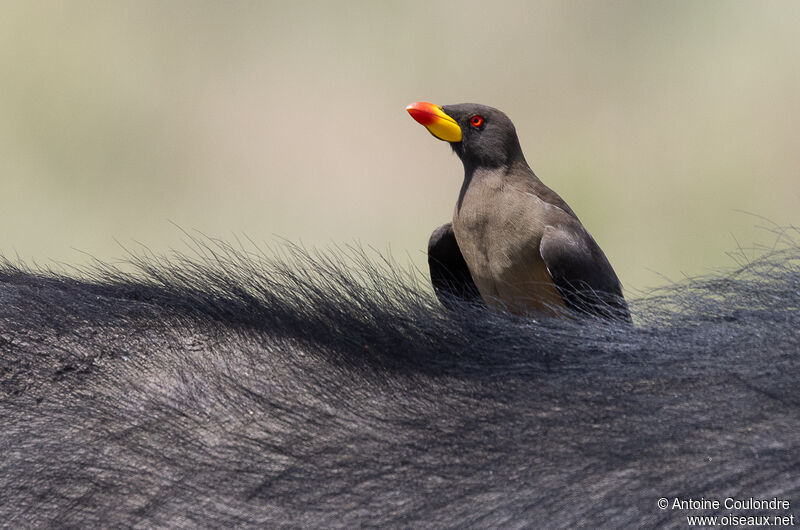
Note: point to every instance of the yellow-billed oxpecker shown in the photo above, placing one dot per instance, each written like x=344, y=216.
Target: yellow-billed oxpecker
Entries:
x=513, y=241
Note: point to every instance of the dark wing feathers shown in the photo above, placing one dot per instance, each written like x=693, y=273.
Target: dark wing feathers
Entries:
x=582, y=273
x=449, y=272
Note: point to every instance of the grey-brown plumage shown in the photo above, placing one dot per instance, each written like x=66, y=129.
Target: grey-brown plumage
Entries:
x=524, y=248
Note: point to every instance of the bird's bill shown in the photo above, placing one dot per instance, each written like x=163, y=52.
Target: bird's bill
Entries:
x=435, y=120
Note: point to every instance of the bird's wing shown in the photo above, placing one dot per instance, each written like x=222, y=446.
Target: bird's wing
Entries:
x=450, y=275
x=582, y=273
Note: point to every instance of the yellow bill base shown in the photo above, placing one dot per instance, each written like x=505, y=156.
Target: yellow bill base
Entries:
x=435, y=120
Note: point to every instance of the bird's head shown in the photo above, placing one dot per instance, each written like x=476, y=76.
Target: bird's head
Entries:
x=481, y=136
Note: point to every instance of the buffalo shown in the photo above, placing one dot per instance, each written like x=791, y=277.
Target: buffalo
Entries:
x=230, y=386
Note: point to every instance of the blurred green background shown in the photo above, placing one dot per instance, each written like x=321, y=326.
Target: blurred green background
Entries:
x=659, y=122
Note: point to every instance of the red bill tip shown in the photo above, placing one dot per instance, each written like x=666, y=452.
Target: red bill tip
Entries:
x=425, y=113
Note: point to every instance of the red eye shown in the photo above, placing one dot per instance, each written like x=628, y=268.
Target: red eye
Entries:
x=476, y=120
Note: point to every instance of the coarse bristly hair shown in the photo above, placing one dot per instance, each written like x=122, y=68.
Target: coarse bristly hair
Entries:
x=228, y=387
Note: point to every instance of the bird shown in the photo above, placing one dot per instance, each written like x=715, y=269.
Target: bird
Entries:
x=513, y=244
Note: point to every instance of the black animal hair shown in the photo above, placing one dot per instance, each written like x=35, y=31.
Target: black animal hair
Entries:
x=230, y=387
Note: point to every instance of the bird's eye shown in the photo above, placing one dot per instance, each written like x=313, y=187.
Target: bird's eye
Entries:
x=476, y=121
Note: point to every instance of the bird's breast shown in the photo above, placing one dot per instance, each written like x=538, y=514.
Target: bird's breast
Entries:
x=499, y=228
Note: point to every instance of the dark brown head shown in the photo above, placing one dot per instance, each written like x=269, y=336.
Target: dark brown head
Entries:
x=481, y=136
